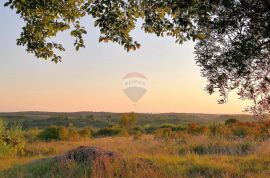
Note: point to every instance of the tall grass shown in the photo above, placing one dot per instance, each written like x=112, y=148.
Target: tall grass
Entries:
x=150, y=157
x=233, y=149
x=11, y=139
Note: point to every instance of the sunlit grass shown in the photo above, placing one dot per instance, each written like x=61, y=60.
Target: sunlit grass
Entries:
x=158, y=158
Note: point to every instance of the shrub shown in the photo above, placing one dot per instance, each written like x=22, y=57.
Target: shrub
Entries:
x=63, y=133
x=73, y=135
x=138, y=128
x=128, y=121
x=85, y=133
x=231, y=121
x=195, y=129
x=108, y=131
x=150, y=129
x=11, y=139
x=251, y=130
x=51, y=133
x=172, y=127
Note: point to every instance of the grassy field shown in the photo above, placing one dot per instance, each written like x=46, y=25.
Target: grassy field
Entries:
x=190, y=156
x=166, y=146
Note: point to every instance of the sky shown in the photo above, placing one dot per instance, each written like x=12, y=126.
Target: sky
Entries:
x=91, y=79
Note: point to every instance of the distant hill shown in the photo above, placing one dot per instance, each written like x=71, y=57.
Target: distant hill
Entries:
x=102, y=119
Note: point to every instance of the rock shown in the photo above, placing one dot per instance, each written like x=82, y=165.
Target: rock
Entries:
x=87, y=155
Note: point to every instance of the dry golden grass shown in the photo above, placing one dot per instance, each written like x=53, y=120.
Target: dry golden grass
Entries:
x=161, y=158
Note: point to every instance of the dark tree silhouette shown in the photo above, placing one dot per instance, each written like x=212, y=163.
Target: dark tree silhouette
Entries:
x=235, y=54
x=232, y=36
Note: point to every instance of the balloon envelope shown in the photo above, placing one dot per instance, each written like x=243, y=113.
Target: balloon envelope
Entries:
x=134, y=86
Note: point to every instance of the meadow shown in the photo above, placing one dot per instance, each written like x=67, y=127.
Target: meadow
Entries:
x=228, y=148
x=104, y=119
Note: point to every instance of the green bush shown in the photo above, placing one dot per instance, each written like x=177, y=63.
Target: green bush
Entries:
x=138, y=128
x=174, y=128
x=63, y=133
x=231, y=121
x=51, y=133
x=150, y=129
x=86, y=132
x=128, y=121
x=109, y=131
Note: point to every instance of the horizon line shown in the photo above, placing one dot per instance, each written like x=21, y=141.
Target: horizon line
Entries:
x=28, y=111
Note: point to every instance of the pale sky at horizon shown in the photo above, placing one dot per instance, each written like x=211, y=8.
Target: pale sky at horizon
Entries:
x=91, y=79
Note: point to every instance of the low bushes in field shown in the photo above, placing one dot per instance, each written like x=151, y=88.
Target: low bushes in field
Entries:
x=235, y=130
x=174, y=127
x=195, y=129
x=86, y=132
x=110, y=131
x=232, y=129
x=63, y=133
x=137, y=129
x=231, y=121
x=51, y=133
x=150, y=129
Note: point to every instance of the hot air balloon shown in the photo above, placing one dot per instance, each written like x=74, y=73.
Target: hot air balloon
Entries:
x=134, y=86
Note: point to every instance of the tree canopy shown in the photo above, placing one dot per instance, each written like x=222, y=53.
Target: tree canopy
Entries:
x=232, y=36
